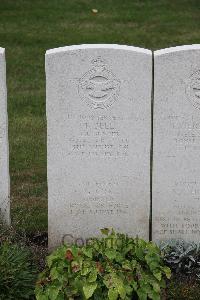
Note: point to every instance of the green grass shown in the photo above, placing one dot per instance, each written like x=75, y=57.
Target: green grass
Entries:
x=27, y=29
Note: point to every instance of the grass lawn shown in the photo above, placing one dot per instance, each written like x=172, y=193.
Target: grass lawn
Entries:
x=27, y=29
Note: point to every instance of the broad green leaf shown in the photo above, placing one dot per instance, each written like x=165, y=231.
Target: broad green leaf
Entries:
x=87, y=252
x=145, y=286
x=156, y=287
x=128, y=248
x=119, y=257
x=153, y=265
x=134, y=263
x=167, y=272
x=108, y=281
x=53, y=292
x=60, y=296
x=51, y=259
x=105, y=231
x=110, y=253
x=112, y=294
x=60, y=252
x=134, y=285
x=121, y=290
x=127, y=265
x=96, y=245
x=162, y=283
x=142, y=295
x=54, y=273
x=88, y=289
x=119, y=243
x=42, y=296
x=92, y=276
x=129, y=290
x=74, y=249
x=153, y=260
x=139, y=253
x=110, y=242
x=78, y=283
x=85, y=270
x=142, y=243
x=154, y=295
x=158, y=275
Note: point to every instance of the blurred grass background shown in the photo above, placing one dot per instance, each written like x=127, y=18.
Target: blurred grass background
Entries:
x=27, y=29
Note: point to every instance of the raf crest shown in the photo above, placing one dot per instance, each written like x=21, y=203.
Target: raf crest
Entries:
x=99, y=87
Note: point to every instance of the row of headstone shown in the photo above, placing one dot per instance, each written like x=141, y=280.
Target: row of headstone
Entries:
x=99, y=107
x=100, y=103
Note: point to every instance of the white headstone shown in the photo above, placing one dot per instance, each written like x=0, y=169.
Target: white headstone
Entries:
x=176, y=172
x=4, y=156
x=99, y=129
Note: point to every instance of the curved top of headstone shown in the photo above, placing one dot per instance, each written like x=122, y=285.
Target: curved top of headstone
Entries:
x=99, y=46
x=176, y=49
x=2, y=50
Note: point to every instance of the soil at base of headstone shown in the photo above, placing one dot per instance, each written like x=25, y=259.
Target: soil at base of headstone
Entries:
x=38, y=244
x=39, y=239
x=182, y=287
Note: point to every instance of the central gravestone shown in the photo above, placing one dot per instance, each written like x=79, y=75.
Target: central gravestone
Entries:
x=99, y=122
x=4, y=164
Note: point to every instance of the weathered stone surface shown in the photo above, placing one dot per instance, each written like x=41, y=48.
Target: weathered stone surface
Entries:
x=99, y=129
x=176, y=172
x=4, y=156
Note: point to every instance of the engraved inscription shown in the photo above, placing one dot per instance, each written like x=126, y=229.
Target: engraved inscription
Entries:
x=99, y=87
x=193, y=89
x=181, y=219
x=98, y=137
x=174, y=226
x=100, y=197
x=185, y=133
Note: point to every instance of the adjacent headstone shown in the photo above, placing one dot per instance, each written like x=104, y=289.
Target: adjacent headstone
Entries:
x=176, y=163
x=99, y=131
x=4, y=169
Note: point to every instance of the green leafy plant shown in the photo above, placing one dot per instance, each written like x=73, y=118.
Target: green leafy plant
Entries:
x=17, y=275
x=113, y=267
